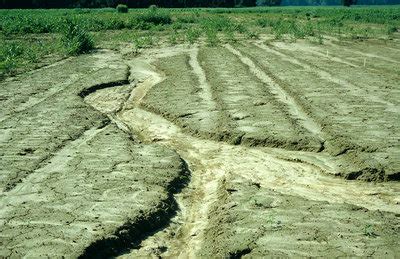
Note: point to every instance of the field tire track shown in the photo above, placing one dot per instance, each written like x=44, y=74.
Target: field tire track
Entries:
x=282, y=95
x=321, y=73
x=369, y=55
x=206, y=93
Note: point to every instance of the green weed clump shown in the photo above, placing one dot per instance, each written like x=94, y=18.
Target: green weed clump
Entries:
x=121, y=8
x=172, y=38
x=390, y=30
x=155, y=17
x=217, y=23
x=143, y=41
x=9, y=53
x=75, y=39
x=262, y=22
x=293, y=29
x=187, y=19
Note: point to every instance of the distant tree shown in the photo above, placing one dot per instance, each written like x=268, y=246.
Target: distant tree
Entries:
x=348, y=3
x=245, y=3
x=268, y=2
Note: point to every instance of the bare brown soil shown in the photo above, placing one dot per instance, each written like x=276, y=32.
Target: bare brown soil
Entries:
x=252, y=149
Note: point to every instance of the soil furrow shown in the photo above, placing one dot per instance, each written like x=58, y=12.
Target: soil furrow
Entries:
x=294, y=108
x=206, y=93
x=317, y=93
x=371, y=55
x=323, y=74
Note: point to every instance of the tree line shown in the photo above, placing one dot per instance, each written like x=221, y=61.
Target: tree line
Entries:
x=174, y=3
x=129, y=3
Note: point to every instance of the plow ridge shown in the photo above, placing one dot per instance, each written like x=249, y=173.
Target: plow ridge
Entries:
x=12, y=183
x=295, y=110
x=100, y=86
x=131, y=234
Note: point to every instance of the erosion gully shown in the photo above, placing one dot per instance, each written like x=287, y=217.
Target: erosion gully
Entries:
x=210, y=162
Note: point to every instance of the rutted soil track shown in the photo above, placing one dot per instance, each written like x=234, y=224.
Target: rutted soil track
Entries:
x=215, y=165
x=203, y=151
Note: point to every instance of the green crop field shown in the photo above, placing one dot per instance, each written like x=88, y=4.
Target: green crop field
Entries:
x=30, y=37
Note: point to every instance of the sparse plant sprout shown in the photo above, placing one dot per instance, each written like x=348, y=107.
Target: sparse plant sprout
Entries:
x=172, y=38
x=308, y=29
x=192, y=35
x=320, y=38
x=262, y=22
x=8, y=65
x=369, y=231
x=278, y=34
x=187, y=19
x=142, y=42
x=33, y=56
x=390, y=30
x=239, y=27
x=230, y=36
x=252, y=35
x=177, y=26
x=212, y=37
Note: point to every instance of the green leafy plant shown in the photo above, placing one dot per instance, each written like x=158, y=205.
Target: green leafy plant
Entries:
x=75, y=39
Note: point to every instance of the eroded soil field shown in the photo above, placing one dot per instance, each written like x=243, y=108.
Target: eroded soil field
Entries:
x=250, y=149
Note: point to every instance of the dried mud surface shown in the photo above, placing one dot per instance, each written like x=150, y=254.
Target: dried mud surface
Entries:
x=73, y=183
x=242, y=150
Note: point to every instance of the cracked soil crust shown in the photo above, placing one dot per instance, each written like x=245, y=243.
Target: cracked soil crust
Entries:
x=232, y=151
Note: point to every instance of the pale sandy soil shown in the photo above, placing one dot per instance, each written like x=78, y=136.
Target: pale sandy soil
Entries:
x=251, y=149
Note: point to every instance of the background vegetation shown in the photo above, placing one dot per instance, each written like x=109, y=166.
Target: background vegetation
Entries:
x=33, y=38
x=173, y=3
